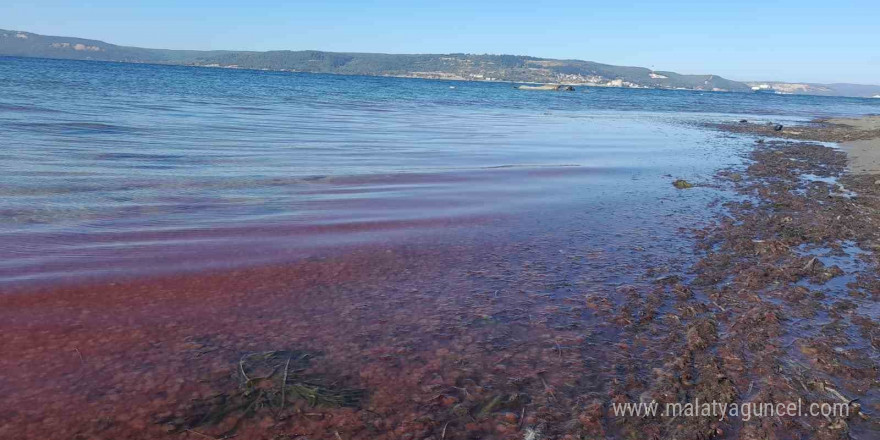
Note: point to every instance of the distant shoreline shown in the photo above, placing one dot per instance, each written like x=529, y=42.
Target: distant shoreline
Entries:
x=494, y=81
x=451, y=66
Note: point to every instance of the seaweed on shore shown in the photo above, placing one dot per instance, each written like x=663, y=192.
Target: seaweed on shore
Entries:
x=271, y=383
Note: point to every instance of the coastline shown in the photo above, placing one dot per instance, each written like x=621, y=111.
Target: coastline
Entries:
x=792, y=271
x=780, y=306
x=858, y=137
x=863, y=154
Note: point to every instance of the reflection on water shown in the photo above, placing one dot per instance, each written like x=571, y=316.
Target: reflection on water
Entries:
x=130, y=168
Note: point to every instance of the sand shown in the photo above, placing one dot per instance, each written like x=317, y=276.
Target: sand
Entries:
x=858, y=137
x=863, y=155
x=863, y=123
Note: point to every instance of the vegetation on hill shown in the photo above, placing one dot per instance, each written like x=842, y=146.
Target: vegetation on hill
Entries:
x=458, y=66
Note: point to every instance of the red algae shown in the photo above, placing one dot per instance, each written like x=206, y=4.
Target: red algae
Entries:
x=523, y=332
x=444, y=341
x=505, y=340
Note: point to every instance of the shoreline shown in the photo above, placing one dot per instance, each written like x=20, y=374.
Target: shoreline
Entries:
x=588, y=85
x=780, y=306
x=859, y=137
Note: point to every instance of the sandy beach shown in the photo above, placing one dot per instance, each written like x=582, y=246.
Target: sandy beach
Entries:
x=863, y=155
x=859, y=137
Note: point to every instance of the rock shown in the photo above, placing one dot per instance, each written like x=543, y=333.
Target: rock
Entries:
x=877, y=182
x=743, y=121
x=544, y=87
x=777, y=127
x=558, y=88
x=759, y=141
x=667, y=279
x=682, y=184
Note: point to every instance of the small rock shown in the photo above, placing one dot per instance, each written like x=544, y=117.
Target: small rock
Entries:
x=667, y=279
x=682, y=184
x=743, y=121
x=777, y=127
x=759, y=141
x=877, y=182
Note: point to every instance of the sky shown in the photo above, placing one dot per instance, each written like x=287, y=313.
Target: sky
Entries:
x=796, y=41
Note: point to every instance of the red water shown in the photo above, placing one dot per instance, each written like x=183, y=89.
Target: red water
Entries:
x=408, y=284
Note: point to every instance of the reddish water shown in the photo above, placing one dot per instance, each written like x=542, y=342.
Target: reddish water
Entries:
x=498, y=274
x=421, y=249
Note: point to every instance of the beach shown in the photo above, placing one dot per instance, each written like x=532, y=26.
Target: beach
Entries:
x=421, y=263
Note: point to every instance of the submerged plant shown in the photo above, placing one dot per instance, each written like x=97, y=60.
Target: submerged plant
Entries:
x=682, y=184
x=269, y=382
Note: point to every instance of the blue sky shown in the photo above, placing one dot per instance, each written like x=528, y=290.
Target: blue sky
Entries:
x=806, y=40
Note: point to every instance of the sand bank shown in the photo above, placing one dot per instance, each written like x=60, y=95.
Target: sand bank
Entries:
x=863, y=155
x=859, y=137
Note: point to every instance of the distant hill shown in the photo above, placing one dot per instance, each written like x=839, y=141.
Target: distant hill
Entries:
x=457, y=66
x=837, y=89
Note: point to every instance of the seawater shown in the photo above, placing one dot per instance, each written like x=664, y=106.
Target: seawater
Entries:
x=111, y=169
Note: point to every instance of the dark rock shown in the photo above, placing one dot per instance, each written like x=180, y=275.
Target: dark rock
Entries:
x=743, y=121
x=777, y=127
x=667, y=279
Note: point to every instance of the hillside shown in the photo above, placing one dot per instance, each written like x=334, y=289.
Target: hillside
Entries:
x=447, y=66
x=457, y=66
x=836, y=89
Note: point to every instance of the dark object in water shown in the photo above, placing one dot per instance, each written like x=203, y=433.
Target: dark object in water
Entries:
x=759, y=141
x=268, y=381
x=557, y=88
x=743, y=121
x=682, y=184
x=777, y=127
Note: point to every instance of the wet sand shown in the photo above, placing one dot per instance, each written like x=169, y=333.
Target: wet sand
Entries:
x=859, y=137
x=758, y=286
x=863, y=155
x=866, y=123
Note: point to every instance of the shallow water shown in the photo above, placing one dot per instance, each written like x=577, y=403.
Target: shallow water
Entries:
x=128, y=169
x=436, y=246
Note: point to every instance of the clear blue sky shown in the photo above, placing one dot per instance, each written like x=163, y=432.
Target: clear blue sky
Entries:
x=805, y=40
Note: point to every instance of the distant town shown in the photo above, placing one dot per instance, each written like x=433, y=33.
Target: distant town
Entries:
x=457, y=66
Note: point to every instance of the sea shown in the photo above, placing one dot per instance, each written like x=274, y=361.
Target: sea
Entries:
x=114, y=170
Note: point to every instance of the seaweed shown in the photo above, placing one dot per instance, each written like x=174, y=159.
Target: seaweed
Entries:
x=268, y=383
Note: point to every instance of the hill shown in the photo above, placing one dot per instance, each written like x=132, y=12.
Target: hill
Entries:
x=836, y=89
x=456, y=66
x=441, y=66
